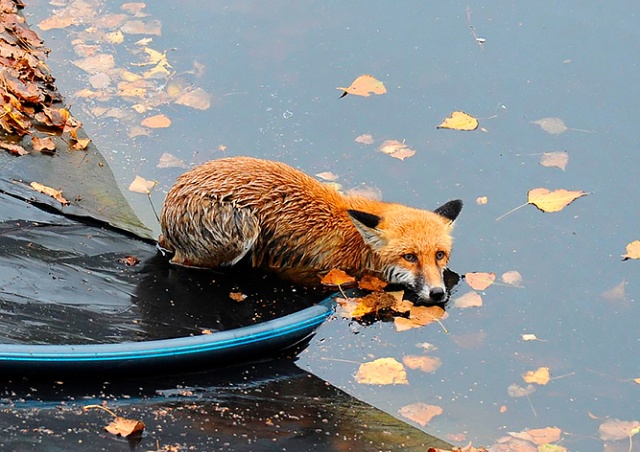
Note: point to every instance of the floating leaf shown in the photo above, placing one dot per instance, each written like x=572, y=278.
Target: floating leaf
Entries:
x=529, y=337
x=125, y=427
x=142, y=185
x=554, y=126
x=553, y=201
x=55, y=194
x=468, y=300
x=327, y=175
x=383, y=371
x=368, y=282
x=517, y=391
x=420, y=413
x=555, y=159
x=373, y=303
x=365, y=85
x=617, y=292
x=540, y=376
x=396, y=149
x=237, y=296
x=196, y=98
x=156, y=122
x=633, y=250
x=170, y=161
x=365, y=138
x=55, y=22
x=482, y=200
x=479, y=280
x=512, y=277
x=337, y=277
x=615, y=429
x=419, y=316
x=423, y=363
x=459, y=120
x=138, y=27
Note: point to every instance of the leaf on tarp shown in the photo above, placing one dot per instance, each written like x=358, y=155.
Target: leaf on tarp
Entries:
x=156, y=122
x=479, y=280
x=383, y=371
x=370, y=282
x=14, y=149
x=420, y=413
x=396, y=149
x=553, y=201
x=554, y=126
x=633, y=251
x=365, y=85
x=142, y=185
x=55, y=194
x=555, y=160
x=470, y=299
x=459, y=120
x=539, y=376
x=46, y=145
x=512, y=278
x=422, y=363
x=125, y=427
x=337, y=278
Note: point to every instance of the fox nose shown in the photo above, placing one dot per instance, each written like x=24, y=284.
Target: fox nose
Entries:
x=436, y=294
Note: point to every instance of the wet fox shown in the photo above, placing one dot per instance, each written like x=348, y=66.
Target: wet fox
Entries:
x=282, y=220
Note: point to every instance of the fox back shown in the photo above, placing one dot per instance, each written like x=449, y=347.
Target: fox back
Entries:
x=285, y=221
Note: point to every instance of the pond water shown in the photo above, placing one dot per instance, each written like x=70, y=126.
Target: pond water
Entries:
x=270, y=72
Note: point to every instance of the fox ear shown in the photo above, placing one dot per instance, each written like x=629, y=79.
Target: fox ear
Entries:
x=366, y=224
x=450, y=210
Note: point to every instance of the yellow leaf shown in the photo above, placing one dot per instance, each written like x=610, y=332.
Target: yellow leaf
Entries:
x=540, y=376
x=637, y=380
x=552, y=201
x=479, y=280
x=365, y=85
x=383, y=371
x=142, y=185
x=368, y=282
x=156, y=122
x=337, y=277
x=633, y=250
x=55, y=194
x=420, y=413
x=459, y=120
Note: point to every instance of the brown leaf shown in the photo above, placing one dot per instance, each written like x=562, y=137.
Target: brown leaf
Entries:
x=369, y=282
x=616, y=293
x=170, y=161
x=552, y=201
x=459, y=120
x=420, y=413
x=55, y=194
x=540, y=376
x=125, y=427
x=633, y=250
x=237, y=296
x=156, y=122
x=196, y=98
x=419, y=316
x=373, y=304
x=130, y=261
x=139, y=27
x=615, y=429
x=545, y=435
x=337, y=277
x=383, y=371
x=479, y=280
x=43, y=144
x=423, y=363
x=15, y=149
x=468, y=300
x=396, y=149
x=365, y=85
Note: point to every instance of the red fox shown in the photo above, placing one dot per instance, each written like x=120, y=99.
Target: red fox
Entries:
x=285, y=221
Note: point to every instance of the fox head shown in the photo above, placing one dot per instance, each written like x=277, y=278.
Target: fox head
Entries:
x=411, y=246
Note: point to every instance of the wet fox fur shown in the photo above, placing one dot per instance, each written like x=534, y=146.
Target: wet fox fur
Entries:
x=283, y=220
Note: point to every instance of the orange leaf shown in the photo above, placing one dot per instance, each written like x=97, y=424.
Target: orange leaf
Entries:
x=55, y=194
x=545, y=435
x=468, y=300
x=420, y=413
x=156, y=122
x=512, y=277
x=459, y=120
x=125, y=427
x=373, y=303
x=479, y=280
x=383, y=371
x=372, y=283
x=552, y=201
x=633, y=250
x=142, y=185
x=337, y=277
x=540, y=376
x=365, y=85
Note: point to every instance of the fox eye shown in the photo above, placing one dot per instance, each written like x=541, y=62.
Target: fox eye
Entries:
x=410, y=257
x=440, y=255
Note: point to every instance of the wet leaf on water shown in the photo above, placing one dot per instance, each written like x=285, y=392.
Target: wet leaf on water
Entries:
x=539, y=376
x=55, y=22
x=237, y=296
x=420, y=413
x=419, y=316
x=195, y=98
x=616, y=293
x=365, y=85
x=396, y=149
x=554, y=126
x=459, y=120
x=170, y=161
x=142, y=185
x=423, y=363
x=46, y=145
x=55, y=194
x=468, y=300
x=95, y=64
x=139, y=27
x=115, y=37
x=156, y=122
x=482, y=200
x=516, y=391
x=529, y=337
x=383, y=371
x=555, y=159
x=633, y=251
x=512, y=278
x=327, y=175
x=373, y=304
x=369, y=282
x=615, y=429
x=125, y=427
x=134, y=7
x=365, y=138
x=553, y=201
x=479, y=280
x=338, y=278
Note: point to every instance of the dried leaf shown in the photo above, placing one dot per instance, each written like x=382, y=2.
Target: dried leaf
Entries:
x=95, y=64
x=129, y=261
x=459, y=120
x=369, y=282
x=423, y=363
x=139, y=27
x=237, y=296
x=529, y=337
x=337, y=277
x=365, y=138
x=15, y=149
x=482, y=200
x=327, y=175
x=552, y=201
x=170, y=161
x=555, y=159
x=125, y=427
x=633, y=251
x=365, y=85
x=512, y=277
x=468, y=300
x=479, y=280
x=156, y=122
x=420, y=413
x=43, y=144
x=419, y=316
x=55, y=22
x=554, y=126
x=396, y=149
x=196, y=98
x=55, y=194
x=615, y=429
x=540, y=376
x=544, y=435
x=142, y=185
x=383, y=371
